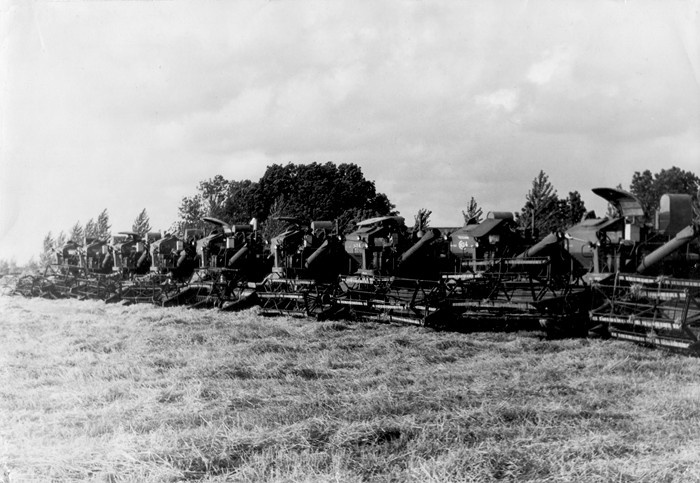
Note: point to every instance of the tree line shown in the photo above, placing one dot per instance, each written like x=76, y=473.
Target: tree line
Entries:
x=342, y=193
x=306, y=191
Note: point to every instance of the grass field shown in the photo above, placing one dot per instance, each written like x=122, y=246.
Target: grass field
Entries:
x=95, y=392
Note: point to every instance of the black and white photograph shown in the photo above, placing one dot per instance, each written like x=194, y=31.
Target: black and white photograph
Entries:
x=349, y=241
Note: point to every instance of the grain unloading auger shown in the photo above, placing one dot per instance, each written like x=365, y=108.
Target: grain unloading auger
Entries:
x=230, y=260
x=308, y=257
x=646, y=277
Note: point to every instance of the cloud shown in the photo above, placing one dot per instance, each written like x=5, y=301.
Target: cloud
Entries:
x=506, y=99
x=131, y=104
x=556, y=63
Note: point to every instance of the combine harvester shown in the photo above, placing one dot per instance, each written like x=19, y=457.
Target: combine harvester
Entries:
x=481, y=276
x=174, y=260
x=498, y=276
x=132, y=264
x=58, y=278
x=308, y=257
x=94, y=279
x=170, y=263
x=398, y=273
x=229, y=259
x=81, y=271
x=646, y=277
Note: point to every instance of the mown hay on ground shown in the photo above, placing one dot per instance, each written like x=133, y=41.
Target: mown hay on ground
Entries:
x=95, y=392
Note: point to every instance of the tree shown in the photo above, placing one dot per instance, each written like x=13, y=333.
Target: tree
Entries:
x=60, y=241
x=574, y=208
x=191, y=212
x=540, y=213
x=214, y=193
x=103, y=226
x=421, y=220
x=473, y=214
x=320, y=192
x=230, y=201
x=240, y=204
x=642, y=187
x=46, y=257
x=142, y=224
x=309, y=192
x=76, y=233
x=32, y=265
x=272, y=226
x=90, y=229
x=649, y=188
x=544, y=212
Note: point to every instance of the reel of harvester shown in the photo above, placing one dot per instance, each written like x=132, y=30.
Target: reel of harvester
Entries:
x=646, y=277
x=308, y=257
x=500, y=278
x=398, y=279
x=230, y=259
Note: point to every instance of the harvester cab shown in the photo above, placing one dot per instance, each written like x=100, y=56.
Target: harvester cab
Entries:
x=131, y=254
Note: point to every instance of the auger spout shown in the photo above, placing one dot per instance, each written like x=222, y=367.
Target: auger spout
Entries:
x=685, y=236
x=238, y=256
x=316, y=254
x=427, y=238
x=540, y=246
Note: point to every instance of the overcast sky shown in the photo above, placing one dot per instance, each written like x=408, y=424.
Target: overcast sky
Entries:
x=126, y=105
